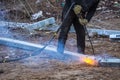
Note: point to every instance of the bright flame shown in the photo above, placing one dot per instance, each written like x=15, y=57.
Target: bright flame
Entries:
x=90, y=61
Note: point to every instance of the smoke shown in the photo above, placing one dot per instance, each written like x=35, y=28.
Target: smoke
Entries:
x=49, y=58
x=4, y=31
x=7, y=32
x=104, y=56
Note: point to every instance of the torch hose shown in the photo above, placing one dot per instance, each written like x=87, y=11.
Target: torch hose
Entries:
x=89, y=40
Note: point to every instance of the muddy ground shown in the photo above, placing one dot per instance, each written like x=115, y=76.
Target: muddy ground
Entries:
x=45, y=66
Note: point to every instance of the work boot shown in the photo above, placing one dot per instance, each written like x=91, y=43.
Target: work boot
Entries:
x=60, y=47
x=60, y=51
x=80, y=51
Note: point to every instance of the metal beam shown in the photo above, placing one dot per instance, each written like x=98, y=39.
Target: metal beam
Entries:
x=104, y=32
x=109, y=62
x=115, y=37
x=100, y=31
x=32, y=26
x=112, y=62
x=19, y=44
x=30, y=46
x=36, y=50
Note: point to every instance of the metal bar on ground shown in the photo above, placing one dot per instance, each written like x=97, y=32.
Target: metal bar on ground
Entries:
x=104, y=32
x=19, y=44
x=113, y=62
x=30, y=46
x=115, y=37
x=109, y=62
x=35, y=25
x=43, y=23
x=100, y=31
x=51, y=50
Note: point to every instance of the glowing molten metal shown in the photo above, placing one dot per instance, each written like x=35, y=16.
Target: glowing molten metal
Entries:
x=90, y=61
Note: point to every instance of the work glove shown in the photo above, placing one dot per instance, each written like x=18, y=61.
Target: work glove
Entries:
x=77, y=9
x=83, y=21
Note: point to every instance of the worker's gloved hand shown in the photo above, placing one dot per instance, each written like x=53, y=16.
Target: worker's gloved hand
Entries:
x=77, y=9
x=83, y=21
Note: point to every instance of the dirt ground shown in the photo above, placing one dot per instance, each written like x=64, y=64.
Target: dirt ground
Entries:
x=46, y=67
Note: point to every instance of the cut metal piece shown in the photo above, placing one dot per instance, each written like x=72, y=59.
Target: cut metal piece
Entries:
x=115, y=37
x=109, y=62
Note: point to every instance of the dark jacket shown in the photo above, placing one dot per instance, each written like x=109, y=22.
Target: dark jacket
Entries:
x=89, y=6
x=88, y=10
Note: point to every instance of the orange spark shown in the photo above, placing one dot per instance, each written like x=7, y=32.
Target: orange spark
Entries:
x=90, y=61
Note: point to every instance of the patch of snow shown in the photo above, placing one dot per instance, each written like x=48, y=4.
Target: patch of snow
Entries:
x=38, y=1
x=37, y=15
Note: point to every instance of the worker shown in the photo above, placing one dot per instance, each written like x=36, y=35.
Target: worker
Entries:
x=79, y=16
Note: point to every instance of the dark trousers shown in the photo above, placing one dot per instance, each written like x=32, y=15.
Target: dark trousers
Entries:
x=80, y=32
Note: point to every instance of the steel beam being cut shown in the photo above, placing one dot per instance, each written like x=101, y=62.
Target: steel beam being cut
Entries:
x=32, y=47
